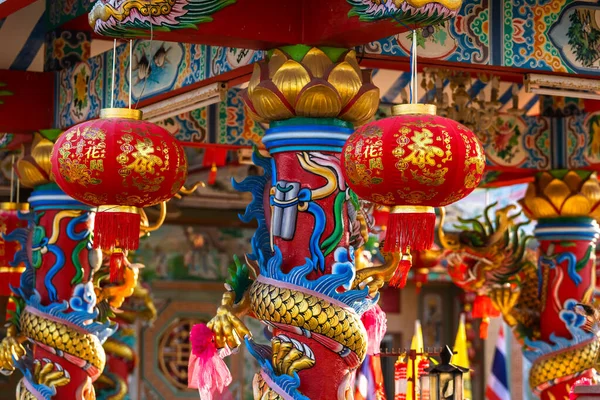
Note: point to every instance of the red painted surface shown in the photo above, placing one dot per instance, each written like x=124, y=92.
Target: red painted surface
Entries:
x=296, y=251
x=9, y=7
x=80, y=384
x=29, y=108
x=560, y=286
x=323, y=380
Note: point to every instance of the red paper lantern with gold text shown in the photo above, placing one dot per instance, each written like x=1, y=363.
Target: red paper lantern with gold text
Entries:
x=119, y=164
x=10, y=274
x=412, y=161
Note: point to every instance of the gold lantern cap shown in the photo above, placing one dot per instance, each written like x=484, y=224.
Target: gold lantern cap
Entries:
x=128, y=113
x=12, y=206
x=414, y=109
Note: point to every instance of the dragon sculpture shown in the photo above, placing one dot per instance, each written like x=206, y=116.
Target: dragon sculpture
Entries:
x=489, y=257
x=63, y=303
x=127, y=18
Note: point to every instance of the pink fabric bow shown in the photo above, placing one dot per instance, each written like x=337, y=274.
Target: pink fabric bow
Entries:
x=375, y=322
x=207, y=371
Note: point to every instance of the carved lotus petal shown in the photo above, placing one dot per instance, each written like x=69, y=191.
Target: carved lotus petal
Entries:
x=595, y=214
x=363, y=107
x=269, y=106
x=277, y=59
x=317, y=62
x=41, y=151
x=540, y=208
x=523, y=203
x=345, y=80
x=29, y=174
x=350, y=58
x=290, y=79
x=576, y=205
x=531, y=190
x=254, y=79
x=591, y=190
x=318, y=100
x=557, y=192
x=543, y=180
x=573, y=181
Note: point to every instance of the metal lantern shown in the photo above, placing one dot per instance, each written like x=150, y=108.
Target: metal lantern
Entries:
x=119, y=164
x=446, y=379
x=412, y=161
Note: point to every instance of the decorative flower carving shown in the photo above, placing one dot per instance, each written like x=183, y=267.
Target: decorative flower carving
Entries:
x=308, y=82
x=556, y=194
x=34, y=167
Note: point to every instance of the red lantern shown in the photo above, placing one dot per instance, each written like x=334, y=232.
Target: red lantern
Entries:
x=413, y=161
x=119, y=164
x=484, y=308
x=10, y=275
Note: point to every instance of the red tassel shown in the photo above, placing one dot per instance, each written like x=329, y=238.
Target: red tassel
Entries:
x=483, y=328
x=421, y=276
x=212, y=176
x=412, y=227
x=117, y=227
x=401, y=273
x=484, y=308
x=117, y=266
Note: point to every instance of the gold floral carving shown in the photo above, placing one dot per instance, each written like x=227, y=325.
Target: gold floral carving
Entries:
x=34, y=167
x=316, y=86
x=574, y=194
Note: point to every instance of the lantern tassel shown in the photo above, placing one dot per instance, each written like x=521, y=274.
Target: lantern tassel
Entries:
x=400, y=276
x=117, y=266
x=412, y=227
x=212, y=175
x=117, y=227
x=484, y=308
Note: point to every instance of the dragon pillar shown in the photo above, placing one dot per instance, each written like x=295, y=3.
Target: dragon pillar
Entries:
x=544, y=298
x=565, y=206
x=62, y=318
x=301, y=279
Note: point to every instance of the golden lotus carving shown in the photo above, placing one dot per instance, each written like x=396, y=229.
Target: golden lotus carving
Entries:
x=574, y=194
x=34, y=167
x=315, y=87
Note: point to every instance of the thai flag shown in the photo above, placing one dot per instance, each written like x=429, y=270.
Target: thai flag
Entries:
x=497, y=386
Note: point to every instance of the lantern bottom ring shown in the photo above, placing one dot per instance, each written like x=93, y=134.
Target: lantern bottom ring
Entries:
x=413, y=210
x=118, y=209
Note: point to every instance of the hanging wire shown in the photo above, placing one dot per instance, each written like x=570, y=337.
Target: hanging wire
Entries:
x=130, y=68
x=18, y=179
x=18, y=189
x=112, y=90
x=12, y=178
x=413, y=75
x=149, y=58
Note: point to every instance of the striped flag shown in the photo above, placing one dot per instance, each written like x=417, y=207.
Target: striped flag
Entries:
x=497, y=387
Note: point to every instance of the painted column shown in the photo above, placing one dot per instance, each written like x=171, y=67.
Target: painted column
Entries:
x=308, y=289
x=61, y=322
x=565, y=205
